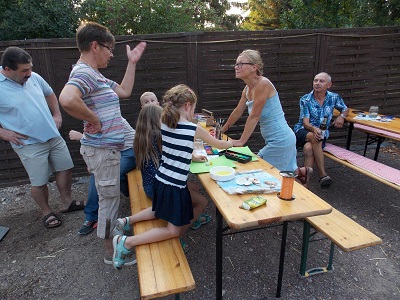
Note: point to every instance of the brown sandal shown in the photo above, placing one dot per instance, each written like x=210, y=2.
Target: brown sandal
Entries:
x=304, y=174
x=50, y=218
x=73, y=207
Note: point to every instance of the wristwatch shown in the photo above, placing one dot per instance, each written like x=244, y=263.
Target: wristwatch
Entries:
x=342, y=115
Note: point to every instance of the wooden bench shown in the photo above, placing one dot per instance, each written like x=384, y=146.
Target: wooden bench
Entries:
x=376, y=170
x=162, y=267
x=341, y=230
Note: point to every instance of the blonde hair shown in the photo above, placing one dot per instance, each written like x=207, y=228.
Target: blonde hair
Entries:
x=146, y=95
x=254, y=57
x=148, y=136
x=173, y=99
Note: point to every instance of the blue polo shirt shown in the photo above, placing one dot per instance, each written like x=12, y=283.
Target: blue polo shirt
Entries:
x=24, y=109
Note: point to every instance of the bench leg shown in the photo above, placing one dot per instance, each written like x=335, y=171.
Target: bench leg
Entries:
x=304, y=248
x=330, y=267
x=307, y=235
x=177, y=297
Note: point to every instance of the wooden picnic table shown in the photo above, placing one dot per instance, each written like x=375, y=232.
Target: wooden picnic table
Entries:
x=276, y=212
x=388, y=129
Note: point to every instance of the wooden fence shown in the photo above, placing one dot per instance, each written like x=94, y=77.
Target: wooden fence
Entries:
x=364, y=64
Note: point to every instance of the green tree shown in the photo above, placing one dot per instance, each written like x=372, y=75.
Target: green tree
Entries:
x=24, y=19
x=263, y=15
x=289, y=14
x=337, y=14
x=28, y=19
x=159, y=16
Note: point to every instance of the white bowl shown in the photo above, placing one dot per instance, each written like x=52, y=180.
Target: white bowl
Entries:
x=222, y=173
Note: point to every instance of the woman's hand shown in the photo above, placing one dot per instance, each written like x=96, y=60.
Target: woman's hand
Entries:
x=237, y=143
x=135, y=54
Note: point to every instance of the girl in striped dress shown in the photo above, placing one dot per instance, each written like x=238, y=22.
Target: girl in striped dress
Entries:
x=171, y=199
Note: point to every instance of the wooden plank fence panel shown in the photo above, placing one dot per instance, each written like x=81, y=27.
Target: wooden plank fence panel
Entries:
x=363, y=62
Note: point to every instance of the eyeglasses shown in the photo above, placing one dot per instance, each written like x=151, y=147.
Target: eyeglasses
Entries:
x=240, y=65
x=105, y=46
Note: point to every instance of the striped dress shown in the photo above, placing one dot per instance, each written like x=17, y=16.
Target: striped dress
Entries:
x=172, y=201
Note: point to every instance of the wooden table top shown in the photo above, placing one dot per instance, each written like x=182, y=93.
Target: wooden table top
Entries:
x=392, y=126
x=305, y=204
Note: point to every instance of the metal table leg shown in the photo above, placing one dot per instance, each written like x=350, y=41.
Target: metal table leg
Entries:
x=282, y=258
x=219, y=256
x=349, y=133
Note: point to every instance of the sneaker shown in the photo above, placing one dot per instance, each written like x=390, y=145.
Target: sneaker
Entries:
x=87, y=227
x=130, y=260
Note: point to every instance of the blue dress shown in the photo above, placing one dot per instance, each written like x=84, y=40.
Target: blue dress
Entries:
x=280, y=140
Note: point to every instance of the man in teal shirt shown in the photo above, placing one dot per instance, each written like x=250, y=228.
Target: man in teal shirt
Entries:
x=29, y=120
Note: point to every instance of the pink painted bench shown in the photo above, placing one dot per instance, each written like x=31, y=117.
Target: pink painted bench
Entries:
x=376, y=170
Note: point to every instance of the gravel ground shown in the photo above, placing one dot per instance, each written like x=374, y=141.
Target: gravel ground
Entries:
x=39, y=263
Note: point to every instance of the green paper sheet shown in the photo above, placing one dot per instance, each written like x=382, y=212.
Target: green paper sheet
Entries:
x=200, y=167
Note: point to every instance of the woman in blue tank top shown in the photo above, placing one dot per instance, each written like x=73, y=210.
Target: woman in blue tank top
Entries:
x=262, y=101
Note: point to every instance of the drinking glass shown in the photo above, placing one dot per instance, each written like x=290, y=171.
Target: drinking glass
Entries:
x=373, y=112
x=203, y=122
x=199, y=147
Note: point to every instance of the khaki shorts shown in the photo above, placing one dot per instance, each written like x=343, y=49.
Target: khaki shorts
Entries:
x=104, y=164
x=40, y=160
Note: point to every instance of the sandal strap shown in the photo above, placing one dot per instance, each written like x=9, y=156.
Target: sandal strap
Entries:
x=127, y=226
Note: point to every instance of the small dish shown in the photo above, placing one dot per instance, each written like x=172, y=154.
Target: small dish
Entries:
x=244, y=181
x=222, y=173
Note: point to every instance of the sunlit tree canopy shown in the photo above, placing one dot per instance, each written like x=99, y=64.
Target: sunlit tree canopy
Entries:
x=24, y=19
x=296, y=14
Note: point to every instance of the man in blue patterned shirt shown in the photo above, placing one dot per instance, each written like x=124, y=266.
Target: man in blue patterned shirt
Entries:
x=314, y=108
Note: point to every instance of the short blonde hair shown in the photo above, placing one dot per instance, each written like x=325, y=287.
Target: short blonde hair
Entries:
x=147, y=95
x=254, y=57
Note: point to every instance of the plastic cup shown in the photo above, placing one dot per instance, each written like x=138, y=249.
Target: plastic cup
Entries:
x=373, y=112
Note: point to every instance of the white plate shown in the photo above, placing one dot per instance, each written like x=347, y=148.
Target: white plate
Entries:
x=244, y=181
